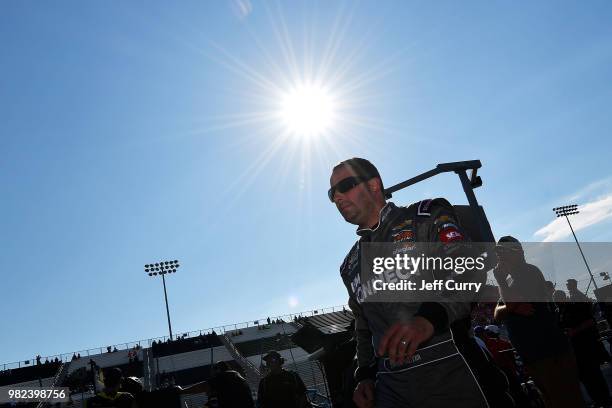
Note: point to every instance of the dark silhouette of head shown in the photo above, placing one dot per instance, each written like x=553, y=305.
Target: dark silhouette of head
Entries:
x=559, y=296
x=274, y=361
x=572, y=285
x=550, y=288
x=221, y=367
x=112, y=379
x=509, y=251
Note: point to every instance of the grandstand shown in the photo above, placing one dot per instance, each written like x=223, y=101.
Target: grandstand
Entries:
x=160, y=363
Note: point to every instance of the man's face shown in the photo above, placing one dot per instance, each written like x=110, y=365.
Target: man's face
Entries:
x=508, y=254
x=354, y=205
x=273, y=363
x=571, y=285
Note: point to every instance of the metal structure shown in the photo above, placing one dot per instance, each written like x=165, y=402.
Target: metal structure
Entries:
x=468, y=184
x=566, y=211
x=162, y=269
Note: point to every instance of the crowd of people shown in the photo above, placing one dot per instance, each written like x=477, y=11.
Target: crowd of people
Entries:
x=226, y=388
x=183, y=344
x=424, y=353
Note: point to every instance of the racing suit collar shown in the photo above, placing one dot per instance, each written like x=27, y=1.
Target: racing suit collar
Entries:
x=382, y=217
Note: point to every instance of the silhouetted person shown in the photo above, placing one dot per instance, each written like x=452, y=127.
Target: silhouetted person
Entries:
x=533, y=326
x=577, y=319
x=280, y=388
x=550, y=290
x=110, y=396
x=226, y=386
x=574, y=294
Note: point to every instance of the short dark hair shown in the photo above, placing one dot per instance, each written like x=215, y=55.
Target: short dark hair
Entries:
x=508, y=238
x=362, y=168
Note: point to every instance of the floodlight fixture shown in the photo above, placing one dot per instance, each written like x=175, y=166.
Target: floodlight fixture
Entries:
x=162, y=268
x=566, y=211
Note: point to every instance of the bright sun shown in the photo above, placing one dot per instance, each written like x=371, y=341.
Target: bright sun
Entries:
x=307, y=110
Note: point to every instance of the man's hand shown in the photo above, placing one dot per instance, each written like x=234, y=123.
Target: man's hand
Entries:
x=363, y=396
x=402, y=339
x=500, y=273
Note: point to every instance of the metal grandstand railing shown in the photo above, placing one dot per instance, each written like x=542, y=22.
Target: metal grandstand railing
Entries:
x=149, y=370
x=57, y=381
x=67, y=357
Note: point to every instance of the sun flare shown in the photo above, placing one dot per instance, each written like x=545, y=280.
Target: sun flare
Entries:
x=308, y=110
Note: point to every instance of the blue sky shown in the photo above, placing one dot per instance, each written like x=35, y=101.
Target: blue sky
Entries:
x=133, y=132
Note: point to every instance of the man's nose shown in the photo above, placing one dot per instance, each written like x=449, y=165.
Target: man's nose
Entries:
x=338, y=198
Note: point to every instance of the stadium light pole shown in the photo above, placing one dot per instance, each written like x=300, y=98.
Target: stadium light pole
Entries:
x=566, y=211
x=162, y=269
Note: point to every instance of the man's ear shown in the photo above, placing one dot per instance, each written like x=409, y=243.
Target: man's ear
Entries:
x=373, y=185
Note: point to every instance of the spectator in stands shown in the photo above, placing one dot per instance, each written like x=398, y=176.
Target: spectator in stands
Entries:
x=574, y=294
x=226, y=386
x=281, y=388
x=533, y=328
x=550, y=289
x=110, y=396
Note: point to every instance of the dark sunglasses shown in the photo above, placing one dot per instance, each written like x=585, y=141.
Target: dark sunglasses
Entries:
x=345, y=185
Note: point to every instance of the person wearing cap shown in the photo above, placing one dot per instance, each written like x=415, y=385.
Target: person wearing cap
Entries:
x=110, y=396
x=280, y=388
x=532, y=324
x=406, y=352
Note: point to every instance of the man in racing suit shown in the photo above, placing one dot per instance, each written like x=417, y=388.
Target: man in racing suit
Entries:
x=405, y=350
